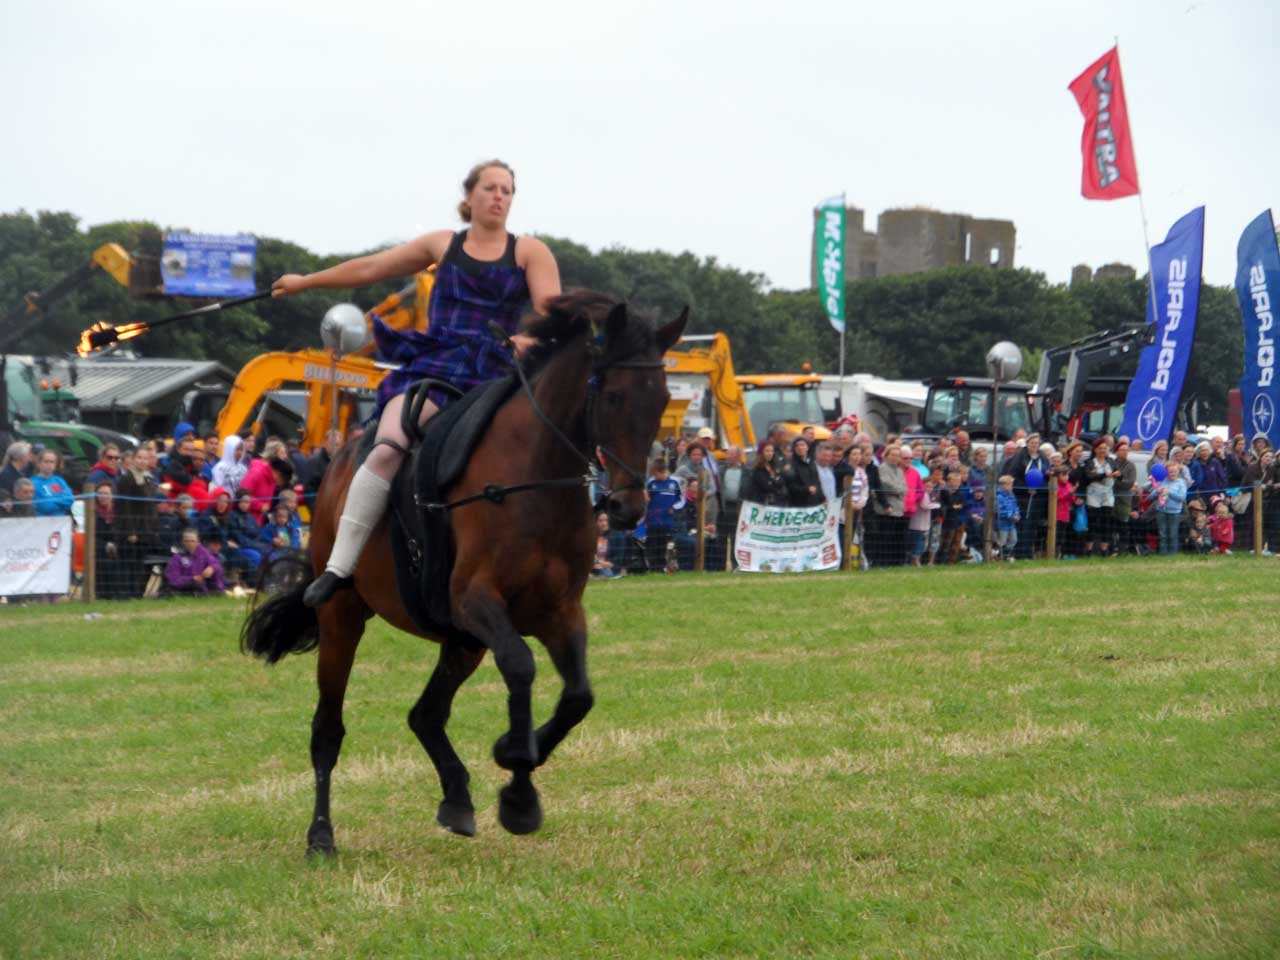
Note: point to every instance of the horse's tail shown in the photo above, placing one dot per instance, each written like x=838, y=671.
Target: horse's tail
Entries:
x=282, y=624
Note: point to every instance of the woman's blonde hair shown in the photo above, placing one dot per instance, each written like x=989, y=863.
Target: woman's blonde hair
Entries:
x=473, y=177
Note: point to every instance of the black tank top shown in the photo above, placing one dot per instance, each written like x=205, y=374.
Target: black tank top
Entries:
x=469, y=264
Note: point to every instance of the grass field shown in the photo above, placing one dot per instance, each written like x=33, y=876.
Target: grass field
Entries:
x=1041, y=761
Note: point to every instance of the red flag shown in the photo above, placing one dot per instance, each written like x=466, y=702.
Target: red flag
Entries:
x=1109, y=170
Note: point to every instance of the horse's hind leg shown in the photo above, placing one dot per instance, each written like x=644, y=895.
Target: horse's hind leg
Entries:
x=427, y=720
x=341, y=625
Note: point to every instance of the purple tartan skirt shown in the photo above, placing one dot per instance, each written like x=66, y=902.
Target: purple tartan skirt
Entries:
x=465, y=358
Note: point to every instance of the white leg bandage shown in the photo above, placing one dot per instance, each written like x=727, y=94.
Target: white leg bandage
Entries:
x=366, y=502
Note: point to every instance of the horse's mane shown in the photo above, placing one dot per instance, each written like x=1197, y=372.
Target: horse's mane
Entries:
x=578, y=313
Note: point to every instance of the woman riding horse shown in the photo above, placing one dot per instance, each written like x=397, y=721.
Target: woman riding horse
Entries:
x=484, y=274
x=523, y=559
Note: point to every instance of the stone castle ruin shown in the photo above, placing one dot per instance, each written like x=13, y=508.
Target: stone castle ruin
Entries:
x=916, y=239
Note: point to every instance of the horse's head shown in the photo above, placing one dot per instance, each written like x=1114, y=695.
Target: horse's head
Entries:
x=630, y=386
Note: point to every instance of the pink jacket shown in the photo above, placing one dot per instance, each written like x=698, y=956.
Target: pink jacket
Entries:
x=260, y=482
x=915, y=491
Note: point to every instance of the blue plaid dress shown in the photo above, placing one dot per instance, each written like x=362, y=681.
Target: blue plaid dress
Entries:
x=457, y=346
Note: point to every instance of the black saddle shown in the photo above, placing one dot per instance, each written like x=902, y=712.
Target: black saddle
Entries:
x=420, y=535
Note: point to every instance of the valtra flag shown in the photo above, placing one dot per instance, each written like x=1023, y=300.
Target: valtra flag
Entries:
x=1258, y=286
x=1156, y=390
x=1107, y=149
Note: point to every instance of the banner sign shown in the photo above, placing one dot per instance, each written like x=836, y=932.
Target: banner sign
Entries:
x=207, y=265
x=788, y=539
x=1106, y=148
x=1258, y=287
x=1152, y=402
x=828, y=251
x=36, y=556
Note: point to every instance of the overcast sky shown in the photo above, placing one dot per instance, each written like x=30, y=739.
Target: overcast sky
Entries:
x=709, y=127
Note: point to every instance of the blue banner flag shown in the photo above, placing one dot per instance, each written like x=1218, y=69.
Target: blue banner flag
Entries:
x=1258, y=287
x=1152, y=403
x=207, y=265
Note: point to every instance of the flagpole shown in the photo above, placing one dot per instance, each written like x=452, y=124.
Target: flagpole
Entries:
x=1142, y=206
x=844, y=321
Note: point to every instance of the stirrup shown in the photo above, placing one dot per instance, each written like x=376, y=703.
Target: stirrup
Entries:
x=324, y=587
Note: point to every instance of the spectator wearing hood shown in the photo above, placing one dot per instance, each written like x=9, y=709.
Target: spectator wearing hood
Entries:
x=260, y=479
x=230, y=470
x=107, y=469
x=218, y=524
x=243, y=528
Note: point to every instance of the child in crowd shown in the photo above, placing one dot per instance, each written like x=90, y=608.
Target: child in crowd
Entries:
x=920, y=522
x=280, y=533
x=955, y=505
x=1007, y=517
x=666, y=500
x=169, y=526
x=1223, y=525
x=193, y=569
x=1066, y=501
x=603, y=566
x=937, y=476
x=1199, y=530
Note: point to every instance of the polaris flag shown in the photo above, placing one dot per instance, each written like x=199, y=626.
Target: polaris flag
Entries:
x=1258, y=287
x=1152, y=403
x=828, y=253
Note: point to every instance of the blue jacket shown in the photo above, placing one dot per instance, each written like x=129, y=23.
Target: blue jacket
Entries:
x=1006, y=510
x=665, y=498
x=1175, y=492
x=270, y=531
x=53, y=496
x=244, y=530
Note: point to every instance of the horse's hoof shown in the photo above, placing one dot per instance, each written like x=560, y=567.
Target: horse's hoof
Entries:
x=503, y=758
x=456, y=818
x=320, y=840
x=519, y=810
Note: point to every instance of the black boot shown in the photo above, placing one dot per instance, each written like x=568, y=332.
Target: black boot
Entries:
x=324, y=587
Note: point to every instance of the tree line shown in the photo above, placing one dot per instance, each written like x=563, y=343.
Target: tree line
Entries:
x=910, y=326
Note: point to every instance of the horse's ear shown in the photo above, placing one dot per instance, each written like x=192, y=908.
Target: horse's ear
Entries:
x=615, y=324
x=668, y=335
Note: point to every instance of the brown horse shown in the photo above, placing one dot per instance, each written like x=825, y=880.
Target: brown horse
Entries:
x=597, y=381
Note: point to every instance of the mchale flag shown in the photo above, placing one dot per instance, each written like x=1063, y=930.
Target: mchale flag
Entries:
x=828, y=249
x=1152, y=402
x=1109, y=168
x=1258, y=287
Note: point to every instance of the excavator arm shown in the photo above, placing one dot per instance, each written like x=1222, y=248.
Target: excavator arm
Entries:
x=110, y=258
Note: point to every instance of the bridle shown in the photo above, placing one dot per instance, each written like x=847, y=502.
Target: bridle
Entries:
x=600, y=365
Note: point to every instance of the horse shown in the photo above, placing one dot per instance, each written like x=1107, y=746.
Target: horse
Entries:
x=596, y=382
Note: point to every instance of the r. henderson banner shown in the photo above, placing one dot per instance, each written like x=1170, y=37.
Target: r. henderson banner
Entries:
x=788, y=539
x=36, y=555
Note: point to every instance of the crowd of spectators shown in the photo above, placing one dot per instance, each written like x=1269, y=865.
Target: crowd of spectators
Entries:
x=177, y=514
x=199, y=516
x=924, y=503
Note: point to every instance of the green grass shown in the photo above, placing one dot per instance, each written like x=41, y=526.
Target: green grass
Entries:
x=1040, y=761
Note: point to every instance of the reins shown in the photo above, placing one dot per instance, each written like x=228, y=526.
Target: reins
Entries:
x=496, y=493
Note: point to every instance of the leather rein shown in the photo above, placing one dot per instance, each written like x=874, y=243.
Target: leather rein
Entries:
x=496, y=493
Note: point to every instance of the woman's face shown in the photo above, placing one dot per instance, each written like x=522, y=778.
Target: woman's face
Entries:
x=1033, y=445
x=490, y=200
x=48, y=463
x=1267, y=459
x=602, y=522
x=767, y=453
x=801, y=448
x=893, y=456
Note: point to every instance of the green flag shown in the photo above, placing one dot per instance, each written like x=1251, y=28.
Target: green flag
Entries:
x=828, y=245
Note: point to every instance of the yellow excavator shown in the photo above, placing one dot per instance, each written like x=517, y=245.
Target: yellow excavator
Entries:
x=333, y=384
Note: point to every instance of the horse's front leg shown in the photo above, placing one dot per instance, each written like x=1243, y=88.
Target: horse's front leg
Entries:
x=483, y=613
x=566, y=642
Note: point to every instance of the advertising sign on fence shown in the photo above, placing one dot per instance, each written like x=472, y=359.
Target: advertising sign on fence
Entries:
x=36, y=556
x=788, y=539
x=208, y=265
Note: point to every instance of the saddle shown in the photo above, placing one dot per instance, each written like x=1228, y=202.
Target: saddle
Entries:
x=420, y=535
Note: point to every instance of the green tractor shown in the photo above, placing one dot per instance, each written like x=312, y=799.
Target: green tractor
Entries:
x=46, y=413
